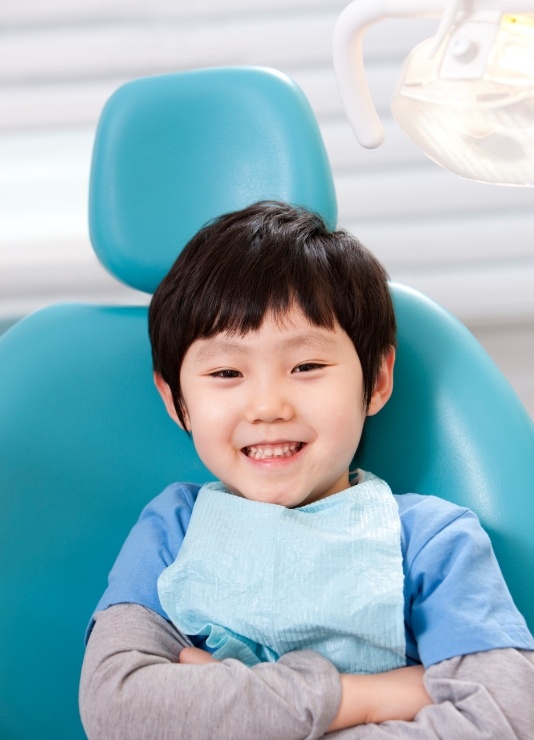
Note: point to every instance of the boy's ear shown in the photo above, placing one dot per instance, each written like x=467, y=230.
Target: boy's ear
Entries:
x=166, y=395
x=384, y=384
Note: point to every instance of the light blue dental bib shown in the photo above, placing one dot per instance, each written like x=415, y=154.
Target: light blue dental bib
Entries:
x=258, y=580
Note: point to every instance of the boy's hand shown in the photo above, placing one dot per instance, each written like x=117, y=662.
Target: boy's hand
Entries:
x=195, y=656
x=399, y=694
x=396, y=695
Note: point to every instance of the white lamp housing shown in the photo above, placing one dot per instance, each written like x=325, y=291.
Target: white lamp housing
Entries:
x=466, y=97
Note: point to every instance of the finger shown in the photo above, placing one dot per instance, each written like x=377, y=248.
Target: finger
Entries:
x=196, y=656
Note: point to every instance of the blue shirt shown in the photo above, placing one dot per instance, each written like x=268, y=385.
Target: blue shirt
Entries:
x=455, y=599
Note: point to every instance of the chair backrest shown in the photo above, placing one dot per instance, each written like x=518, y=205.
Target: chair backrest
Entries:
x=455, y=428
x=85, y=440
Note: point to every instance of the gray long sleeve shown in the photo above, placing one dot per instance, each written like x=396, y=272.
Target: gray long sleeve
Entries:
x=484, y=696
x=133, y=688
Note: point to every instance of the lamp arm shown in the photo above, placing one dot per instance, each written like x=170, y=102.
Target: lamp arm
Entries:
x=349, y=30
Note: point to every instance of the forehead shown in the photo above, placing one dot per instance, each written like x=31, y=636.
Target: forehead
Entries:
x=290, y=331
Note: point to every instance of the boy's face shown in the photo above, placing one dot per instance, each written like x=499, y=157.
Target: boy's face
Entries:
x=277, y=414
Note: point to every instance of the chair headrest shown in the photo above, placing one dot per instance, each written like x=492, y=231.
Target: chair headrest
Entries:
x=174, y=151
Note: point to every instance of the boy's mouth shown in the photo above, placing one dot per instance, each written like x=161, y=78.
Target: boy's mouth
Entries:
x=271, y=451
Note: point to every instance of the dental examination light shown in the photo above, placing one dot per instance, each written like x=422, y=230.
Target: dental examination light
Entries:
x=465, y=97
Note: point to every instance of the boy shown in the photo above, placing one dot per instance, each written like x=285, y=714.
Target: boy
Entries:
x=272, y=340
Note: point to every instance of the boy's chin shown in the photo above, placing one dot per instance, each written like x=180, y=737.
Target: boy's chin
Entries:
x=287, y=499
x=270, y=496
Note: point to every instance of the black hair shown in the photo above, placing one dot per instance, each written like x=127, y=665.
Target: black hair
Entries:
x=269, y=257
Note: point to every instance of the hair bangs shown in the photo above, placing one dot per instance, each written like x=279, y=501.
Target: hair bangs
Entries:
x=238, y=304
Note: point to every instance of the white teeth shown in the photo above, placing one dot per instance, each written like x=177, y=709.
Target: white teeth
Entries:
x=264, y=452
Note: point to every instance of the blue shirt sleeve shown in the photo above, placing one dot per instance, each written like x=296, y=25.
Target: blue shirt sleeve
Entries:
x=151, y=546
x=456, y=600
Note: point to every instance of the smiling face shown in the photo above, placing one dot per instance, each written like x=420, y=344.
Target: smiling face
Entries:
x=277, y=414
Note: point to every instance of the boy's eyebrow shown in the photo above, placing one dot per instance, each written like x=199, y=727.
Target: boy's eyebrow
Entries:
x=211, y=347
x=319, y=340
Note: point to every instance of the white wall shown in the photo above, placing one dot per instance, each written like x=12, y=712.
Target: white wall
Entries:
x=468, y=245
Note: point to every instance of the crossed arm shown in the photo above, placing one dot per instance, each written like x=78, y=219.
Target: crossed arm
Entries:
x=132, y=683
x=399, y=694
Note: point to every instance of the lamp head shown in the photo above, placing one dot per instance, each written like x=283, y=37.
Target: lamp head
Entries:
x=466, y=97
x=469, y=104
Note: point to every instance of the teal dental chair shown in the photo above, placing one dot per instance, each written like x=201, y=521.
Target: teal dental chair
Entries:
x=85, y=441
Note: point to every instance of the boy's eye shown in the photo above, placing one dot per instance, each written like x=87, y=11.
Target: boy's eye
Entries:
x=226, y=374
x=307, y=367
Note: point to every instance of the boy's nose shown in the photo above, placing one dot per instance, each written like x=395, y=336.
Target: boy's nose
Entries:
x=268, y=406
